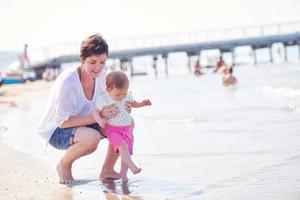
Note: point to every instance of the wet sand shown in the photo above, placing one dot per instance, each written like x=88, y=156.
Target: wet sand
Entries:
x=15, y=95
x=24, y=177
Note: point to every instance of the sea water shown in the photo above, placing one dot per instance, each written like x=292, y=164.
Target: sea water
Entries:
x=198, y=140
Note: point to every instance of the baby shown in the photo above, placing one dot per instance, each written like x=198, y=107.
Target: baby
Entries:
x=119, y=129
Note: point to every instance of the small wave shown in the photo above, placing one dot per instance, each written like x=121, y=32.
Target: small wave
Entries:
x=281, y=91
x=3, y=129
x=208, y=154
x=294, y=108
x=177, y=121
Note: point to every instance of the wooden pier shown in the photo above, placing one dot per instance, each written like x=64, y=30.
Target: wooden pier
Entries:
x=192, y=44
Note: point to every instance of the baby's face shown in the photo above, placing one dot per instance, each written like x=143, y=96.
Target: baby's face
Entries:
x=118, y=94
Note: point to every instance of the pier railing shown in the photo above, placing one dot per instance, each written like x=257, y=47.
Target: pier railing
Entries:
x=152, y=41
x=205, y=36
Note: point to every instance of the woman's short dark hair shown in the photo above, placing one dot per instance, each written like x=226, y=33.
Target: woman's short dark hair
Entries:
x=93, y=45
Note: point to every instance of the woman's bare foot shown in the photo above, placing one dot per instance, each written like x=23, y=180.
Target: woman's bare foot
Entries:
x=64, y=173
x=109, y=175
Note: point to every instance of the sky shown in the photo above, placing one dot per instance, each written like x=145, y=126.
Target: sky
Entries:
x=40, y=23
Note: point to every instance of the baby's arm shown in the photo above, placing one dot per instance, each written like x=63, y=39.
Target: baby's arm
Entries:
x=143, y=103
x=99, y=120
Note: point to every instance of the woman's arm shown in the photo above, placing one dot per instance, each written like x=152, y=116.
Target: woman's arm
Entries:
x=78, y=121
x=97, y=117
x=107, y=112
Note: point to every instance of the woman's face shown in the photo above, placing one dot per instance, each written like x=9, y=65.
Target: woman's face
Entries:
x=93, y=65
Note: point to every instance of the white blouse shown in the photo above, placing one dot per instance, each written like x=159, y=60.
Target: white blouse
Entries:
x=68, y=99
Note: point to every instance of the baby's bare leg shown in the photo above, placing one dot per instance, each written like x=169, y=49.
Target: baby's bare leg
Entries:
x=126, y=158
x=123, y=171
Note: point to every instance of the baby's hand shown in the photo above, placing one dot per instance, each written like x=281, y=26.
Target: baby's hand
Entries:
x=128, y=106
x=147, y=102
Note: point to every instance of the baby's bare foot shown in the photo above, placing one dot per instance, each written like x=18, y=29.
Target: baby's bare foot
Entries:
x=109, y=175
x=64, y=174
x=136, y=170
x=124, y=178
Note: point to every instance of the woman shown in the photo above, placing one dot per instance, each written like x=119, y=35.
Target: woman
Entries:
x=68, y=123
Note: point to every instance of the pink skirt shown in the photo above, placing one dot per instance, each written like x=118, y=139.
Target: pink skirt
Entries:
x=118, y=135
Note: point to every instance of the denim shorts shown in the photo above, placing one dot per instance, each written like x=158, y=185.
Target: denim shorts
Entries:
x=62, y=138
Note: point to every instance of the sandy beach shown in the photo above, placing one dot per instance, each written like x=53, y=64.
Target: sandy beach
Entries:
x=22, y=176
x=16, y=95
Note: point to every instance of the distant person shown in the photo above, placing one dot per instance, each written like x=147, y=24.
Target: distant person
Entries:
x=68, y=123
x=220, y=66
x=48, y=74
x=154, y=66
x=10, y=103
x=123, y=66
x=119, y=128
x=197, y=68
x=228, y=79
x=24, y=59
x=113, y=67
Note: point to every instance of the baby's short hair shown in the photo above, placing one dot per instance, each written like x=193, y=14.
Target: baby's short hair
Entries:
x=116, y=79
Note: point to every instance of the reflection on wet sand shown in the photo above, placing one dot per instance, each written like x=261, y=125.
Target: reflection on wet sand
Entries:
x=116, y=189
x=111, y=189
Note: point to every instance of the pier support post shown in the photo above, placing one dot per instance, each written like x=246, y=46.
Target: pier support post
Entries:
x=125, y=63
x=154, y=65
x=233, y=57
x=131, y=67
x=271, y=54
x=254, y=55
x=285, y=53
x=123, y=66
x=189, y=63
x=165, y=56
x=190, y=54
x=299, y=50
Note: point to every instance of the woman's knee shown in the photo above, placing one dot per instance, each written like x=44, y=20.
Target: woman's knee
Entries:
x=89, y=137
x=91, y=147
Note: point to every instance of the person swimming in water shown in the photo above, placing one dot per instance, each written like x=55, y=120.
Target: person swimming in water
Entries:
x=197, y=68
x=220, y=66
x=228, y=79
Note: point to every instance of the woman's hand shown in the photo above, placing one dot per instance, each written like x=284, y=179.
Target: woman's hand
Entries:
x=109, y=111
x=128, y=106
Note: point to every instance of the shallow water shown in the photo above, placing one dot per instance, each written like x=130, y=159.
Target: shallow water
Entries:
x=198, y=140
